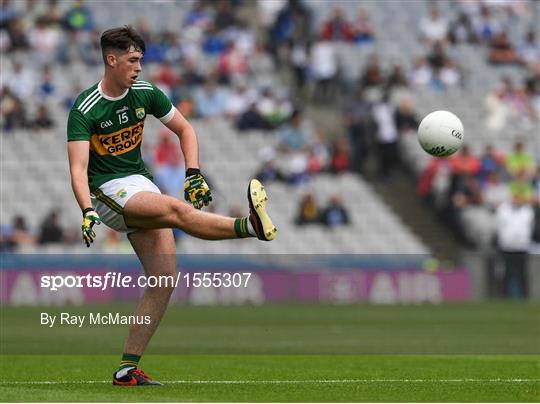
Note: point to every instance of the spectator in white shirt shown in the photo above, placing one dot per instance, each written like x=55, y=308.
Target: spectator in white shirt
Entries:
x=323, y=67
x=496, y=192
x=434, y=28
x=387, y=135
x=422, y=74
x=514, y=222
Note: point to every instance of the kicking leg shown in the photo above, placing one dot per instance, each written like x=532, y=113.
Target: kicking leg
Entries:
x=148, y=210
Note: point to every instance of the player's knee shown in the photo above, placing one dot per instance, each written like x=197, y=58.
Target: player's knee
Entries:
x=180, y=211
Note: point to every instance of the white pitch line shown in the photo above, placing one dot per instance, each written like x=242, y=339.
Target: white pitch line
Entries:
x=314, y=381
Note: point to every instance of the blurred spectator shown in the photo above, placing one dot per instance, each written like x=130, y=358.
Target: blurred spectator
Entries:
x=372, y=75
x=397, y=78
x=199, y=15
x=47, y=86
x=362, y=27
x=12, y=111
x=189, y=76
x=293, y=22
x=497, y=111
x=320, y=153
x=449, y=74
x=464, y=162
x=295, y=135
x=491, y=162
x=271, y=108
x=433, y=27
x=486, y=26
x=514, y=222
x=299, y=61
x=269, y=10
x=232, y=65
x=79, y=17
x=164, y=149
x=52, y=14
x=169, y=176
x=337, y=28
x=521, y=186
x=269, y=171
x=296, y=167
x=166, y=76
x=261, y=66
x=210, y=100
x=335, y=213
x=44, y=39
x=214, y=42
x=422, y=74
x=495, y=191
x=8, y=13
x=462, y=30
x=340, y=157
x=252, y=120
x=308, y=211
x=50, y=230
x=520, y=161
x=324, y=69
x=359, y=124
x=17, y=235
x=501, y=50
x=386, y=135
x=529, y=49
x=463, y=167
x=405, y=116
x=466, y=193
x=43, y=118
x=224, y=17
x=437, y=56
x=22, y=81
x=18, y=37
x=239, y=101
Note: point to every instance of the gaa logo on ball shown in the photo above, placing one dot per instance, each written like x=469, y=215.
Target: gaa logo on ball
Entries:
x=440, y=133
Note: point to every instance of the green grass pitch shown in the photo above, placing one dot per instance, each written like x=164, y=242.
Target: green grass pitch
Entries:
x=287, y=352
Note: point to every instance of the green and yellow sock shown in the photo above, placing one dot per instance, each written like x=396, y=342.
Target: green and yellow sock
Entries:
x=241, y=227
x=128, y=361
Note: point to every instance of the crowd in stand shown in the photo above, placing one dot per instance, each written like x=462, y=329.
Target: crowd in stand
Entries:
x=217, y=66
x=491, y=180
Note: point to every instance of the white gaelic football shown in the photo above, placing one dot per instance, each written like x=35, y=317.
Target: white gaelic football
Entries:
x=440, y=133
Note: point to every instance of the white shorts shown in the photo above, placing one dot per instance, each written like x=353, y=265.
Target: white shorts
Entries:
x=110, y=198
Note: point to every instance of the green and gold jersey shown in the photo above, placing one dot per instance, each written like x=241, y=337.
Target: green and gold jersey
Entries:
x=114, y=128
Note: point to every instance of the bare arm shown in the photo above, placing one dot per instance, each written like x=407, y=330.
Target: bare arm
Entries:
x=188, y=139
x=78, y=152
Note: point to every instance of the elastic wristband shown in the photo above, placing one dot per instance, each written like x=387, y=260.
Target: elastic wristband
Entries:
x=192, y=171
x=84, y=212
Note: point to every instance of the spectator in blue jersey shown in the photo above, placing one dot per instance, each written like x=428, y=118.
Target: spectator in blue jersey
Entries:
x=210, y=100
x=335, y=213
x=294, y=136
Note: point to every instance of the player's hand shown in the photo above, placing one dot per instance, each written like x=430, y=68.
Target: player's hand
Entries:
x=90, y=218
x=196, y=190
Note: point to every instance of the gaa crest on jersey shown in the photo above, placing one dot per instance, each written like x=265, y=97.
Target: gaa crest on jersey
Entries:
x=121, y=193
x=139, y=113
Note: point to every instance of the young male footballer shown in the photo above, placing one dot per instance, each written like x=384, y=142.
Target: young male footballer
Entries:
x=112, y=184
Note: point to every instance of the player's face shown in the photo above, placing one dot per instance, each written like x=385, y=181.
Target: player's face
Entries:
x=128, y=67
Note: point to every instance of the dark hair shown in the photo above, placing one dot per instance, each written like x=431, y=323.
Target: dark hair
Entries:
x=121, y=39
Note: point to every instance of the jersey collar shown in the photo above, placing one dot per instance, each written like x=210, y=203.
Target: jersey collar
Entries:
x=109, y=97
